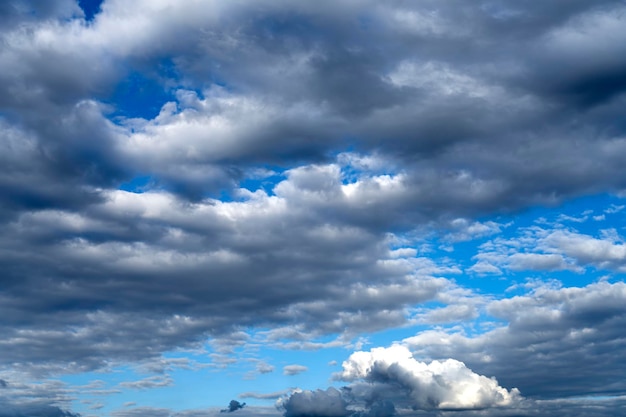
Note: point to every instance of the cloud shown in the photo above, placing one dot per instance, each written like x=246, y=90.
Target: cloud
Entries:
x=275, y=188
x=606, y=253
x=553, y=331
x=558, y=249
x=319, y=403
x=463, y=230
x=149, y=382
x=294, y=369
x=385, y=380
x=234, y=405
x=264, y=368
x=9, y=410
x=266, y=396
x=445, y=384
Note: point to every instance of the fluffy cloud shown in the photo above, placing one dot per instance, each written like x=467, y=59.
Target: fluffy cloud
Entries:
x=540, y=249
x=394, y=373
x=385, y=379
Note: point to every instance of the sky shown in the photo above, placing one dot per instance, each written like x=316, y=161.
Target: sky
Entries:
x=346, y=208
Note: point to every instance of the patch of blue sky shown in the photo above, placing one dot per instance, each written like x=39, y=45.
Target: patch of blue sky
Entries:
x=90, y=7
x=140, y=95
x=138, y=184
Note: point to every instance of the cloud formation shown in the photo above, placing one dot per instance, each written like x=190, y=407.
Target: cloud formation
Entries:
x=385, y=380
x=218, y=174
x=554, y=331
x=393, y=373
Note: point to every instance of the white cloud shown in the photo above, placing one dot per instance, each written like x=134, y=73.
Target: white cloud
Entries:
x=539, y=249
x=445, y=384
x=537, y=262
x=464, y=229
x=483, y=268
x=606, y=253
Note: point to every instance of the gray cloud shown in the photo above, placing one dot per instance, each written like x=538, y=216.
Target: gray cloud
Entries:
x=554, y=332
x=9, y=410
x=294, y=369
x=319, y=403
x=234, y=405
x=265, y=396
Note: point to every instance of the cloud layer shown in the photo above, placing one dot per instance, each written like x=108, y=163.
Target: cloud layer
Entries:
x=213, y=175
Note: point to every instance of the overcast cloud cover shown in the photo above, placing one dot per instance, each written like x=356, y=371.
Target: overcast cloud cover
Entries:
x=326, y=208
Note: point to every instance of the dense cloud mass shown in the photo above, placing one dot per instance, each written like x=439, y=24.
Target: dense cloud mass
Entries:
x=445, y=384
x=215, y=176
x=385, y=380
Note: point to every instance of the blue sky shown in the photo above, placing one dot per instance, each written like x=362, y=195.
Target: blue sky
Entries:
x=312, y=209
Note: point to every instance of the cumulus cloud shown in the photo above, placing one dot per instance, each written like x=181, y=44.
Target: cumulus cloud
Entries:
x=445, y=384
